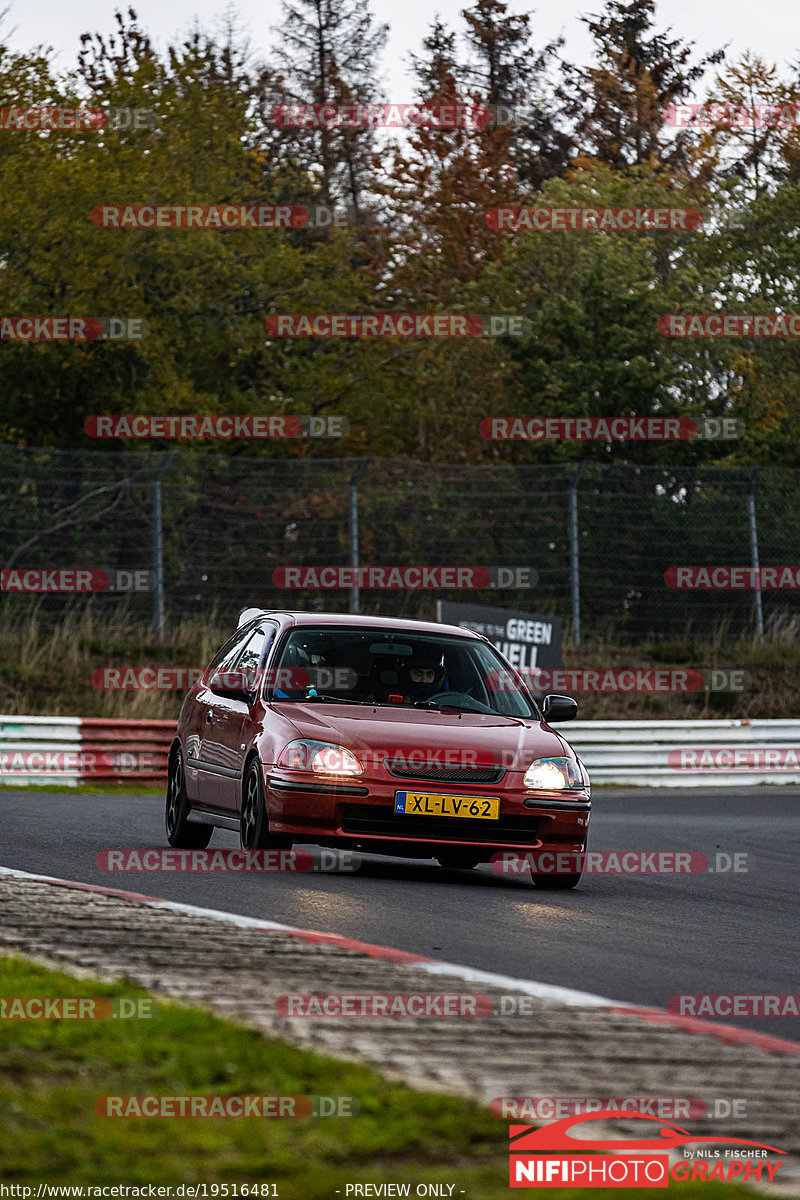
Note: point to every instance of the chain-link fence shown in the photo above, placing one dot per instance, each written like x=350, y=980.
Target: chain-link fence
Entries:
x=209, y=529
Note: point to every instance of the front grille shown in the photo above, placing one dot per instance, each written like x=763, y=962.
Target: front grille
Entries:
x=379, y=820
x=441, y=774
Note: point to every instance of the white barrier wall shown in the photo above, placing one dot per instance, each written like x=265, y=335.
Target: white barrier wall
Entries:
x=722, y=753
x=70, y=750
x=719, y=753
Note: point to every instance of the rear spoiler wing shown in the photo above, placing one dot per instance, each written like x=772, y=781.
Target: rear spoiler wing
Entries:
x=249, y=614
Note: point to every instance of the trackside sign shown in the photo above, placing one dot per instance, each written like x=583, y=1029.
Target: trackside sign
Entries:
x=528, y=640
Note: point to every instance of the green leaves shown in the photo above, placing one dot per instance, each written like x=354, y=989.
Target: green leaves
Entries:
x=422, y=243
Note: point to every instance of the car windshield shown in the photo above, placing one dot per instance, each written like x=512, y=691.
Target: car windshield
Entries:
x=395, y=667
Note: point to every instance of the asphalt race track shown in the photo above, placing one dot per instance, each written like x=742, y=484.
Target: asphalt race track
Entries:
x=634, y=939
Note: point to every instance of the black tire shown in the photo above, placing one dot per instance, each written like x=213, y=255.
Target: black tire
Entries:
x=457, y=862
x=556, y=883
x=180, y=833
x=254, y=831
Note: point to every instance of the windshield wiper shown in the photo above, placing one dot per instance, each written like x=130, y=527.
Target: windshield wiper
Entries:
x=436, y=707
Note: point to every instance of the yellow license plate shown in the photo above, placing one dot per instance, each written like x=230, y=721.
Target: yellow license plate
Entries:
x=428, y=804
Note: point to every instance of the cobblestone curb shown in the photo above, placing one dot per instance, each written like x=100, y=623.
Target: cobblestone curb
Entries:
x=238, y=969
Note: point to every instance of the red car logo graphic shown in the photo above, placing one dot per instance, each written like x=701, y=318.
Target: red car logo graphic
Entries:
x=527, y=1139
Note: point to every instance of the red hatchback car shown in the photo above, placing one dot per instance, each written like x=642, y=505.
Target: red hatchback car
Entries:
x=388, y=736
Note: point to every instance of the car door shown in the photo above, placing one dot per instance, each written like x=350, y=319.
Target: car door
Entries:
x=202, y=771
x=226, y=736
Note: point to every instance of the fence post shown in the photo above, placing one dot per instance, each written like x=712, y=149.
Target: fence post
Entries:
x=158, y=551
x=758, y=610
x=574, y=556
x=356, y=476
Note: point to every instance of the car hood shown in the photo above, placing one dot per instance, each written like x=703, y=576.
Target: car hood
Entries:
x=512, y=741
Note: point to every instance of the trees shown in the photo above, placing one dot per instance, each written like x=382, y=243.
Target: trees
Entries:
x=749, y=129
x=438, y=186
x=618, y=102
x=326, y=54
x=203, y=293
x=511, y=77
x=594, y=299
x=423, y=243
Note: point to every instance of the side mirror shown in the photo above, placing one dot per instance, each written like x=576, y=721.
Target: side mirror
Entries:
x=559, y=708
x=233, y=685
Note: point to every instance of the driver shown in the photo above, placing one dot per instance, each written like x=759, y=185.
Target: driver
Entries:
x=423, y=676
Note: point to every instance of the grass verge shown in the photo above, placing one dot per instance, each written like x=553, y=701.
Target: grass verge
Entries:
x=54, y=669
x=51, y=1073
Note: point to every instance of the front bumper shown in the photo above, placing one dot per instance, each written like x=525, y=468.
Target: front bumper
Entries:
x=359, y=813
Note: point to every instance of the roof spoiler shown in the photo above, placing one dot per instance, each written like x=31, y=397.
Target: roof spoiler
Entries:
x=249, y=614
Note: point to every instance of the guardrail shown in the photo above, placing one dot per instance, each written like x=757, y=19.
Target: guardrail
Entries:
x=720, y=753
x=71, y=750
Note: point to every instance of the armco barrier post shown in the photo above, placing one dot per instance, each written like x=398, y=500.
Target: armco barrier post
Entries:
x=758, y=610
x=158, y=552
x=355, y=477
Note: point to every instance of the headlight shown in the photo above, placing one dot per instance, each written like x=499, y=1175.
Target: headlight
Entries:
x=323, y=758
x=553, y=775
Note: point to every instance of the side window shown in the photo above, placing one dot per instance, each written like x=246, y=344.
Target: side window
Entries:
x=226, y=657
x=250, y=657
